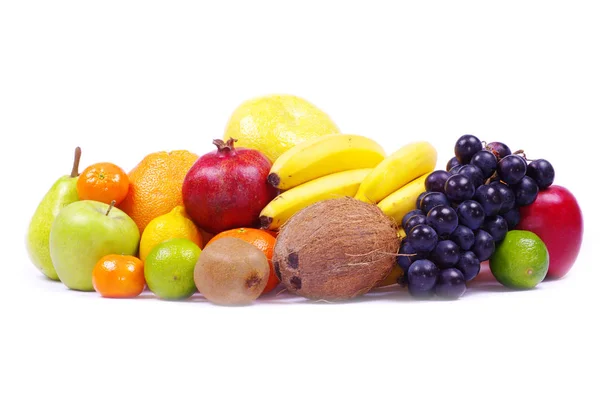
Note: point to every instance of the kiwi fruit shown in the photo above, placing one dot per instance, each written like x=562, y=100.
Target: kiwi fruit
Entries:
x=231, y=271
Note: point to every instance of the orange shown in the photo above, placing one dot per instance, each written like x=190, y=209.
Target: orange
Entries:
x=262, y=240
x=155, y=185
x=119, y=276
x=103, y=182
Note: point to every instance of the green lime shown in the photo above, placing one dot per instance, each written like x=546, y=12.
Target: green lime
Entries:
x=169, y=268
x=521, y=260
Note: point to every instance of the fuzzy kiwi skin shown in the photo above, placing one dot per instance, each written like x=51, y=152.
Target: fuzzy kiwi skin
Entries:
x=335, y=249
x=231, y=271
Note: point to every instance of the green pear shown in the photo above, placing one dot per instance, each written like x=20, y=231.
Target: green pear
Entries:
x=84, y=232
x=61, y=194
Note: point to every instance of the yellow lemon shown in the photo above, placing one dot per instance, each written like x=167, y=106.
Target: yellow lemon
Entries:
x=275, y=123
x=174, y=224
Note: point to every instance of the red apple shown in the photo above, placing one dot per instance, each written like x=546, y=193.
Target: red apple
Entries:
x=555, y=216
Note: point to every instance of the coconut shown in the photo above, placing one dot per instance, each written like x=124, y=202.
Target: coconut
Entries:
x=335, y=249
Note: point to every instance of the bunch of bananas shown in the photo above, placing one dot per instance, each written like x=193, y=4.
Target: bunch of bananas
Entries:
x=326, y=167
x=347, y=165
x=396, y=182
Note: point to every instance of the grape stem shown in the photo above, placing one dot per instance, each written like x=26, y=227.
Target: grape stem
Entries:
x=521, y=153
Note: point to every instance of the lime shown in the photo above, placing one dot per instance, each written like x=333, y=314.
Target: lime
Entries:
x=521, y=260
x=169, y=268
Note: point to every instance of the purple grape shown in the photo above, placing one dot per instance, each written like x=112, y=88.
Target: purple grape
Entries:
x=459, y=188
x=405, y=261
x=496, y=226
x=453, y=162
x=490, y=199
x=483, y=246
x=498, y=148
x=436, y=181
x=443, y=219
x=512, y=218
x=542, y=173
x=420, y=198
x=416, y=293
x=455, y=170
x=466, y=147
x=422, y=275
x=508, y=197
x=469, y=265
x=526, y=191
x=446, y=254
x=422, y=238
x=463, y=236
x=414, y=221
x=450, y=284
x=433, y=199
x=408, y=215
x=512, y=169
x=471, y=214
x=474, y=173
x=486, y=162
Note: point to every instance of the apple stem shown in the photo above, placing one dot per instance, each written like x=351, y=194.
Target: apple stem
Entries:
x=224, y=146
x=110, y=207
x=75, y=169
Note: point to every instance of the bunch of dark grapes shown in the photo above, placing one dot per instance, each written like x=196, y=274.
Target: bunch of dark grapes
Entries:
x=464, y=212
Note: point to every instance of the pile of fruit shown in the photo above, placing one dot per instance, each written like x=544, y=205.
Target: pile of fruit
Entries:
x=286, y=198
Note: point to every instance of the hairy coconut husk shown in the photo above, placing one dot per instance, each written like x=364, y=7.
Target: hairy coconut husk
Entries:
x=335, y=249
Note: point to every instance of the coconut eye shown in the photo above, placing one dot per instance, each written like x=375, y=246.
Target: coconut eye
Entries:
x=293, y=260
x=296, y=282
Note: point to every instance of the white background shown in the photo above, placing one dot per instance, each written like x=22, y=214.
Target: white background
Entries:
x=123, y=79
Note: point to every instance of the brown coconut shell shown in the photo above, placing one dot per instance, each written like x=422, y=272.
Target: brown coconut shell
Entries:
x=335, y=249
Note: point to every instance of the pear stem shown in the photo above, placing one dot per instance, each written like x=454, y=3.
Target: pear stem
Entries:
x=110, y=207
x=75, y=169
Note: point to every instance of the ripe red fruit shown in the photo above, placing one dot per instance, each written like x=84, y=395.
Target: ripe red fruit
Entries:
x=555, y=216
x=227, y=188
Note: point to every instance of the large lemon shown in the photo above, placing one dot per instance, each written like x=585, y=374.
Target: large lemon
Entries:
x=275, y=123
x=174, y=224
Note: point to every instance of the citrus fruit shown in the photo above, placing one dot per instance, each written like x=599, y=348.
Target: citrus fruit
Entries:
x=155, y=185
x=169, y=268
x=103, y=182
x=174, y=224
x=275, y=123
x=521, y=260
x=119, y=276
x=262, y=240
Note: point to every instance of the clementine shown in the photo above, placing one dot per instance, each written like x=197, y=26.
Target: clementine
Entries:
x=119, y=276
x=103, y=182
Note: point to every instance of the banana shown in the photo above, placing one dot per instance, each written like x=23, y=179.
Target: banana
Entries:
x=398, y=169
x=322, y=156
x=403, y=200
x=282, y=207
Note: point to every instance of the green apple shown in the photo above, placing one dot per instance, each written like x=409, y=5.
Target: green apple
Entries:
x=85, y=231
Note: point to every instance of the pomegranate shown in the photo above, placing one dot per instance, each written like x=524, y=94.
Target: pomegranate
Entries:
x=227, y=188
